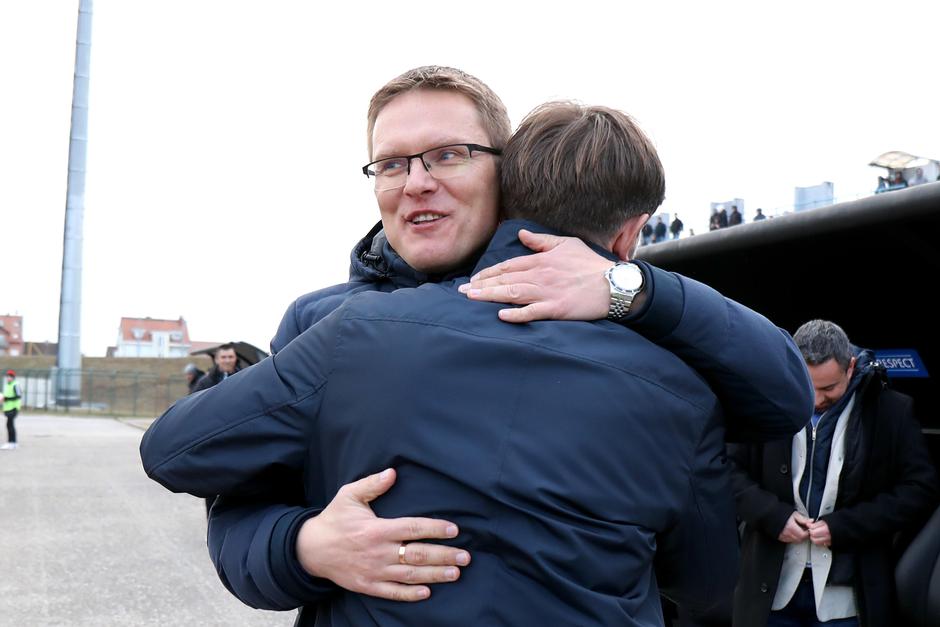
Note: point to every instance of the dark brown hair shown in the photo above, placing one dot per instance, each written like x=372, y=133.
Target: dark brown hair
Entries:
x=580, y=170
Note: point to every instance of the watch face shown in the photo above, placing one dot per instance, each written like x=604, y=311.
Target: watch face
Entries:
x=627, y=277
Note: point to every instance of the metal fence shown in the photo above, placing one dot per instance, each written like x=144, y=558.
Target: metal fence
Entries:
x=106, y=392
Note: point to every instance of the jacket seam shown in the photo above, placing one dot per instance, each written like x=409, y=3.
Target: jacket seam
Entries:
x=427, y=323
x=153, y=471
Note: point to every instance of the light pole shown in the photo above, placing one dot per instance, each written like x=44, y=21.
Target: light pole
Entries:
x=69, y=358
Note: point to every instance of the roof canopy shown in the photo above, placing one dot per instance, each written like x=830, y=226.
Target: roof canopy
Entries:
x=897, y=160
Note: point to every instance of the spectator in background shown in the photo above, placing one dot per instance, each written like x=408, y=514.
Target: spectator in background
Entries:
x=722, y=218
x=919, y=178
x=659, y=231
x=676, y=227
x=713, y=224
x=646, y=235
x=735, y=218
x=12, y=401
x=894, y=180
x=821, y=509
x=226, y=364
x=897, y=181
x=760, y=215
x=193, y=374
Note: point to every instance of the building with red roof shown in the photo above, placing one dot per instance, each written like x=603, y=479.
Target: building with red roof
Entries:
x=11, y=335
x=152, y=337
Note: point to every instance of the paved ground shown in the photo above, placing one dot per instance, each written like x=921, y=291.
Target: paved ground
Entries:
x=87, y=539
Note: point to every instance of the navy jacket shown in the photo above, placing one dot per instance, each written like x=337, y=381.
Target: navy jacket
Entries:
x=374, y=266
x=753, y=367
x=166, y=472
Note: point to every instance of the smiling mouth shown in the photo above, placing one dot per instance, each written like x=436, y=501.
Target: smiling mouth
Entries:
x=425, y=218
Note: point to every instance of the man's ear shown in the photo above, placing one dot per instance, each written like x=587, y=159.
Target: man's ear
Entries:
x=628, y=238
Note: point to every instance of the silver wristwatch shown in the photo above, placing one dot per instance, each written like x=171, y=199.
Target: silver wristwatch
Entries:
x=626, y=281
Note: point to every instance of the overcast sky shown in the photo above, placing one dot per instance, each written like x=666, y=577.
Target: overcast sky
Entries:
x=226, y=136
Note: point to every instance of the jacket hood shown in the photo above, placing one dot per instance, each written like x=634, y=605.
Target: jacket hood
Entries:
x=867, y=369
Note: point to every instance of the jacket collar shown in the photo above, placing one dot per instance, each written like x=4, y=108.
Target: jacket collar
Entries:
x=866, y=370
x=505, y=243
x=373, y=259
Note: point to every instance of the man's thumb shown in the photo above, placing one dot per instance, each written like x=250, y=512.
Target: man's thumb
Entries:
x=372, y=487
x=539, y=242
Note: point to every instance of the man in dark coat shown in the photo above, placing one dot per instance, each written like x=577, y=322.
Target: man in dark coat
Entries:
x=552, y=544
x=714, y=221
x=735, y=217
x=764, y=397
x=193, y=375
x=659, y=231
x=817, y=542
x=676, y=227
x=225, y=364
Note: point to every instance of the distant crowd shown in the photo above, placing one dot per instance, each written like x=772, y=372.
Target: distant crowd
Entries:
x=895, y=180
x=720, y=219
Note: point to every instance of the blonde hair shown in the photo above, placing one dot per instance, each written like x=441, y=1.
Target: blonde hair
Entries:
x=492, y=111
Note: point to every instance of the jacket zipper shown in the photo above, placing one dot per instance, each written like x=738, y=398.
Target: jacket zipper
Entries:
x=809, y=488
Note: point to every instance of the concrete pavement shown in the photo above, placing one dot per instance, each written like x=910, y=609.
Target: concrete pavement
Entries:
x=87, y=539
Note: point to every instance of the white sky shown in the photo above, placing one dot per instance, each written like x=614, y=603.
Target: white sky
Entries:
x=225, y=136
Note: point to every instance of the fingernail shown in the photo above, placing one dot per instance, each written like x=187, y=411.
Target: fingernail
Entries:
x=451, y=531
x=450, y=573
x=385, y=474
x=424, y=593
x=475, y=277
x=472, y=292
x=463, y=558
x=463, y=289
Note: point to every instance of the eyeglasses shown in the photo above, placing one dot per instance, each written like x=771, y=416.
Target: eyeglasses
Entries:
x=443, y=162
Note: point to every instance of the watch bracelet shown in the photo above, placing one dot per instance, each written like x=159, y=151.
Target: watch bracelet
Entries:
x=619, y=307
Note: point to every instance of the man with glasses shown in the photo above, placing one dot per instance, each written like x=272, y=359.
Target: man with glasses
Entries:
x=438, y=223
x=443, y=162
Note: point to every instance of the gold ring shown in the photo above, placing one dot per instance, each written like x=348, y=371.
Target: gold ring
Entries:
x=401, y=553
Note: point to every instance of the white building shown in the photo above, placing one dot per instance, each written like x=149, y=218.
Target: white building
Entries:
x=151, y=337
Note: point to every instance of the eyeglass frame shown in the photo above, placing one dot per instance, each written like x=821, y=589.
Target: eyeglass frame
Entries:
x=427, y=168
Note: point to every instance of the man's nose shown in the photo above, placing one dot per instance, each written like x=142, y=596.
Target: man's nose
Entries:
x=419, y=179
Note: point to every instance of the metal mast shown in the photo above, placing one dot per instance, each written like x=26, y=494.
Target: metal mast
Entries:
x=69, y=359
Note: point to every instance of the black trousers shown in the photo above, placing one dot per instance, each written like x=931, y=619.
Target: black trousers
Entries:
x=11, y=428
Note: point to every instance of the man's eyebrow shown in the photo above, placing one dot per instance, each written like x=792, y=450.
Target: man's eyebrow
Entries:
x=390, y=154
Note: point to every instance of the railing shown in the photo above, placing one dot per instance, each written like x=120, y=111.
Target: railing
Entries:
x=104, y=392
